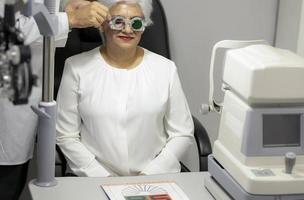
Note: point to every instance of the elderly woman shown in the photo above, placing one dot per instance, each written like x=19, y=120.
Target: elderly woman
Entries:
x=121, y=108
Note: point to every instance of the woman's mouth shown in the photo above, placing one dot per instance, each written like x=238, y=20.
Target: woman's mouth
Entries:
x=125, y=38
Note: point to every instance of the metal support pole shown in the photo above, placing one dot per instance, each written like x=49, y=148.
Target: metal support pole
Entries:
x=48, y=69
x=46, y=144
x=46, y=136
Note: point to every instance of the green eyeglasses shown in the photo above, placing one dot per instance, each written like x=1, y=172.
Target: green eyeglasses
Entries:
x=118, y=23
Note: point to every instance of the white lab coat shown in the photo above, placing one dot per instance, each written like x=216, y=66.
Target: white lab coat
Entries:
x=18, y=123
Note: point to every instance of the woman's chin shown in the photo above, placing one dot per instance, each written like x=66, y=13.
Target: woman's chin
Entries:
x=126, y=45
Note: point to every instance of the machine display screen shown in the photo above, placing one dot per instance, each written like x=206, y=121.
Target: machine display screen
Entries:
x=281, y=130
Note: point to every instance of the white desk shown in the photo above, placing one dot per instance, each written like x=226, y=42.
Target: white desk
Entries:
x=82, y=188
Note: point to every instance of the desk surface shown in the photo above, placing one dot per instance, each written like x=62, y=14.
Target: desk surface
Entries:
x=80, y=188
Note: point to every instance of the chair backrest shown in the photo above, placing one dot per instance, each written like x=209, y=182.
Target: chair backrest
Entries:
x=155, y=38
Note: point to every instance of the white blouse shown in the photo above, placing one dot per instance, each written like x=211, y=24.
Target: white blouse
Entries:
x=115, y=121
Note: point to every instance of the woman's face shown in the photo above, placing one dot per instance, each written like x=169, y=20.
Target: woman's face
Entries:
x=125, y=38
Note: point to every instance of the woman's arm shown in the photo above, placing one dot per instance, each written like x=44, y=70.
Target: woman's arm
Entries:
x=179, y=127
x=80, y=159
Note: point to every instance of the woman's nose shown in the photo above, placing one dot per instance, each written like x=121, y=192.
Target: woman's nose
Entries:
x=127, y=28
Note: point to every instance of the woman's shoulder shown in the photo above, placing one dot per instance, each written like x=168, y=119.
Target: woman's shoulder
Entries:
x=83, y=59
x=151, y=56
x=158, y=61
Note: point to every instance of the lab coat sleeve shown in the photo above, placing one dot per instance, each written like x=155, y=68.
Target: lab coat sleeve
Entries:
x=29, y=28
x=179, y=127
x=68, y=126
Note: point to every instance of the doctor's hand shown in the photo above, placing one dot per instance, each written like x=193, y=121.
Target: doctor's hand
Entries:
x=82, y=14
x=75, y=4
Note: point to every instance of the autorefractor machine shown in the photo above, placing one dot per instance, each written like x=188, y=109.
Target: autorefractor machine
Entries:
x=259, y=152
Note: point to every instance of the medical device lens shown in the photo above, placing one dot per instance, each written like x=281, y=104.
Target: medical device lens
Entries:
x=137, y=25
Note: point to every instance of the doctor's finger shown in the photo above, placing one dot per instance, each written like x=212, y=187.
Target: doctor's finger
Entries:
x=100, y=6
x=100, y=20
x=75, y=4
x=96, y=23
x=100, y=9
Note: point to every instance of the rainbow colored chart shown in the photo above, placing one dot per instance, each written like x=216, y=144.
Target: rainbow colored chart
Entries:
x=149, y=197
x=145, y=191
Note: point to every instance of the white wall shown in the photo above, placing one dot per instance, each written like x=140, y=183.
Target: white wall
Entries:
x=300, y=49
x=290, y=32
x=196, y=25
x=289, y=21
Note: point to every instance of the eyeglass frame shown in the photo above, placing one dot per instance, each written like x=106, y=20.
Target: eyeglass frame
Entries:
x=127, y=22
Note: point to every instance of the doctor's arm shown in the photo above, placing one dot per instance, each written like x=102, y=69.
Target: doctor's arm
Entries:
x=78, y=14
x=179, y=127
x=80, y=159
x=30, y=29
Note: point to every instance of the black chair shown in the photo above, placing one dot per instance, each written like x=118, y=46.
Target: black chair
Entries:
x=155, y=38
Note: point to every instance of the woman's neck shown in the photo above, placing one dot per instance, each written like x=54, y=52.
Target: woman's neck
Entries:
x=125, y=59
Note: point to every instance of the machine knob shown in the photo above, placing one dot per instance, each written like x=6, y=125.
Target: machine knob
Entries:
x=290, y=161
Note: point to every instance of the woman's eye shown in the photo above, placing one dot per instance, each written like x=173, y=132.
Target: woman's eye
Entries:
x=119, y=22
